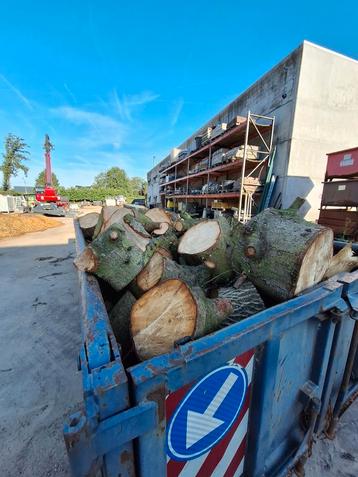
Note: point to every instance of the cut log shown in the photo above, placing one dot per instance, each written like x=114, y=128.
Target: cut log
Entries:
x=184, y=222
x=281, y=253
x=115, y=256
x=343, y=261
x=110, y=214
x=160, y=268
x=245, y=300
x=172, y=311
x=156, y=228
x=135, y=225
x=208, y=241
x=120, y=321
x=88, y=224
x=158, y=215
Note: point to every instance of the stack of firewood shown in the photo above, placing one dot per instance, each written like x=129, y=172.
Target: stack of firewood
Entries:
x=177, y=278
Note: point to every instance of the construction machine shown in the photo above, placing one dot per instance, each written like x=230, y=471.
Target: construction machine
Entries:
x=48, y=202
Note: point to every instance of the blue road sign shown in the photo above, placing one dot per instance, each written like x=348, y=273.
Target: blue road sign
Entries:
x=206, y=413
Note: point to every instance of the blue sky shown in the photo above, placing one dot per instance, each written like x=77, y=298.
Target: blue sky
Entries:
x=118, y=82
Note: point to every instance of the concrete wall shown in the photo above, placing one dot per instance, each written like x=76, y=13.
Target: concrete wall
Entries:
x=325, y=120
x=313, y=94
x=273, y=95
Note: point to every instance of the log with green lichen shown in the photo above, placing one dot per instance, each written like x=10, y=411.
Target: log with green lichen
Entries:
x=281, y=253
x=144, y=224
x=170, y=312
x=116, y=256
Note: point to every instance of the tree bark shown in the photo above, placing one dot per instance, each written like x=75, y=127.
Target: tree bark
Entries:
x=208, y=241
x=156, y=228
x=172, y=311
x=88, y=224
x=120, y=321
x=281, y=253
x=245, y=301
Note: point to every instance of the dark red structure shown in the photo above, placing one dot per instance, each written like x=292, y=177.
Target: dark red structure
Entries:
x=342, y=164
x=339, y=205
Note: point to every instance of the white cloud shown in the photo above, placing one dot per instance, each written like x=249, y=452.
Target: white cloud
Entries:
x=127, y=104
x=17, y=92
x=177, y=109
x=99, y=129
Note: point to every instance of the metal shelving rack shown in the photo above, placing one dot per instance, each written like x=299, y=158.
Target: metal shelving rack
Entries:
x=256, y=127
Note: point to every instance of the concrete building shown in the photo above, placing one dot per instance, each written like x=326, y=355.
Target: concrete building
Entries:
x=313, y=95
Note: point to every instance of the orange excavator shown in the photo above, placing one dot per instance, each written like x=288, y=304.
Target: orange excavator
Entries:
x=48, y=202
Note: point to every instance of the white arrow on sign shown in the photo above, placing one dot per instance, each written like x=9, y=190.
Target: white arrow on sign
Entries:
x=199, y=425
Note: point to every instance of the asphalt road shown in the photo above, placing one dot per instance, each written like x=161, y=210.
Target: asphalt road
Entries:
x=39, y=344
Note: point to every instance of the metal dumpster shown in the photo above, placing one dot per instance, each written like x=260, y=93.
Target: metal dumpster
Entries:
x=247, y=399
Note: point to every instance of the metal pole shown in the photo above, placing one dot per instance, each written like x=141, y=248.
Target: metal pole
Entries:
x=244, y=162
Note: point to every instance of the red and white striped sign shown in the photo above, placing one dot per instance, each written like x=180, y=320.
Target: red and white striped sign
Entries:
x=226, y=458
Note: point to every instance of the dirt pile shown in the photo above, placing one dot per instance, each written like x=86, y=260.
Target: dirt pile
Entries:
x=17, y=224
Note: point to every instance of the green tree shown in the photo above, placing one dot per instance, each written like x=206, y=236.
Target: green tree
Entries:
x=138, y=186
x=15, y=154
x=114, y=178
x=40, y=180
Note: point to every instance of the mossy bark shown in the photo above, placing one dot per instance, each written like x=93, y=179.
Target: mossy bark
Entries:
x=114, y=257
x=274, y=249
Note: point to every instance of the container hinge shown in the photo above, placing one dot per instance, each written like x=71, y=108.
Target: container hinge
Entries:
x=86, y=443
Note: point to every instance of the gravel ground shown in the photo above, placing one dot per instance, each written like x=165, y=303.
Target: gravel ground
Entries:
x=39, y=344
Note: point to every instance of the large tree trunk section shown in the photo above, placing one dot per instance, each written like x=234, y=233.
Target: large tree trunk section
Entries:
x=160, y=268
x=208, y=241
x=281, y=253
x=120, y=321
x=245, y=301
x=172, y=311
x=114, y=256
x=343, y=261
x=88, y=224
x=158, y=215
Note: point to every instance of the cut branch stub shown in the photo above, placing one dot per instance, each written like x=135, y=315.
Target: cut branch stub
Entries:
x=281, y=253
x=172, y=311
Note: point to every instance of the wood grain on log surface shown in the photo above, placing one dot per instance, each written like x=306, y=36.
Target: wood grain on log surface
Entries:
x=172, y=311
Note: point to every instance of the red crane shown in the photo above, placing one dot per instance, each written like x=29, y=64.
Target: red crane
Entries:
x=47, y=197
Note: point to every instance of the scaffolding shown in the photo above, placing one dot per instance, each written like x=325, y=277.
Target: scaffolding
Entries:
x=255, y=128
